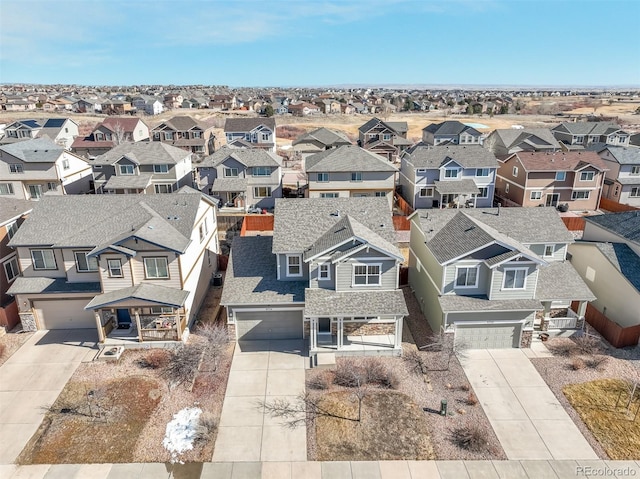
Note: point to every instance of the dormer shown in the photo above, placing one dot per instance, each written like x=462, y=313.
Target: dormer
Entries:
x=126, y=167
x=450, y=170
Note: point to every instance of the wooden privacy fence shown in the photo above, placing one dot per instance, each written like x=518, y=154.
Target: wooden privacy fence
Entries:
x=614, y=207
x=574, y=223
x=617, y=336
x=256, y=223
x=402, y=204
x=401, y=223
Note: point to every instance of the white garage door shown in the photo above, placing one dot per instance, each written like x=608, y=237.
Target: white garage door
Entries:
x=64, y=314
x=257, y=325
x=487, y=336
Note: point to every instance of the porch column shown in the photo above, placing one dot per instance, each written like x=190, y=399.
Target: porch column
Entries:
x=313, y=332
x=582, y=308
x=340, y=333
x=475, y=200
x=99, y=325
x=137, y=315
x=397, y=339
x=178, y=326
x=544, y=324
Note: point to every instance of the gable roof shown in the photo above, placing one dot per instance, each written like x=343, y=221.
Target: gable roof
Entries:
x=10, y=208
x=467, y=156
x=624, y=259
x=143, y=153
x=247, y=124
x=511, y=137
x=559, y=161
x=127, y=124
x=181, y=123
x=347, y=158
x=399, y=127
x=625, y=224
x=450, y=127
x=588, y=128
x=142, y=291
x=325, y=136
x=36, y=150
x=249, y=157
x=624, y=155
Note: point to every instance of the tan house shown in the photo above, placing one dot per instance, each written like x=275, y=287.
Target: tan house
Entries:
x=550, y=179
x=186, y=133
x=109, y=133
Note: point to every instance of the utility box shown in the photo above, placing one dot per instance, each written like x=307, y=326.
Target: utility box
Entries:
x=443, y=407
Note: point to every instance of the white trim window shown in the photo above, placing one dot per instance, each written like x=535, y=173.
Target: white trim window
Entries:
x=635, y=192
x=329, y=195
x=230, y=172
x=506, y=188
x=426, y=192
x=380, y=194
x=635, y=171
x=65, y=164
x=421, y=171
x=261, y=171
x=204, y=230
x=535, y=195
x=587, y=175
x=11, y=270
x=515, y=171
x=294, y=265
x=324, y=272
x=127, y=170
x=367, y=274
x=549, y=250
x=52, y=186
x=579, y=139
x=156, y=268
x=515, y=278
x=161, y=169
x=451, y=172
x=322, y=177
x=580, y=194
x=356, y=176
x=114, y=266
x=262, y=192
x=163, y=188
x=466, y=277
x=161, y=310
x=16, y=168
x=6, y=189
x=84, y=263
x=43, y=259
x=484, y=192
x=483, y=172
x=12, y=229
x=386, y=137
x=561, y=175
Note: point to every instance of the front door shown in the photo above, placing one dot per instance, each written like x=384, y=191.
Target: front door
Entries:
x=124, y=319
x=552, y=199
x=324, y=325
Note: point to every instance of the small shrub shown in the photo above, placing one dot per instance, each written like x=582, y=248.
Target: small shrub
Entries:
x=318, y=382
x=562, y=348
x=576, y=364
x=416, y=362
x=587, y=344
x=470, y=438
x=183, y=366
x=154, y=359
x=348, y=374
x=352, y=373
x=596, y=362
x=472, y=400
x=206, y=425
x=465, y=388
x=375, y=372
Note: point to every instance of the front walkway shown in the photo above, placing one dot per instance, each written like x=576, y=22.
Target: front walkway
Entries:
x=261, y=371
x=524, y=413
x=31, y=380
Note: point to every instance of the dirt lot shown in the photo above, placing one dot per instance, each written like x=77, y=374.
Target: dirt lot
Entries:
x=11, y=342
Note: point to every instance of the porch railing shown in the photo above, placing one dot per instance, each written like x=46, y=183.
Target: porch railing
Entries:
x=163, y=333
x=569, y=322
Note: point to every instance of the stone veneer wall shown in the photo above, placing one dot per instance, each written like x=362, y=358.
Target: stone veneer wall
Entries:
x=369, y=329
x=231, y=329
x=306, y=329
x=28, y=321
x=525, y=340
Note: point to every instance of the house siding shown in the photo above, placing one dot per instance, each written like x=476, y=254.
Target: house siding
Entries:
x=73, y=275
x=425, y=293
x=344, y=274
x=559, y=251
x=26, y=264
x=497, y=292
x=484, y=279
x=313, y=276
x=112, y=284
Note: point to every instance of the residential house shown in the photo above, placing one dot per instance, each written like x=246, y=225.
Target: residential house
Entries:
x=490, y=276
x=242, y=177
x=85, y=105
x=451, y=132
x=19, y=105
x=32, y=168
x=608, y=260
x=117, y=107
x=222, y=102
x=347, y=109
x=506, y=141
x=12, y=214
x=583, y=134
x=328, y=106
x=622, y=181
x=186, y=133
x=173, y=100
x=153, y=107
x=349, y=171
x=143, y=167
x=109, y=133
x=303, y=109
x=573, y=178
x=133, y=267
x=328, y=274
x=448, y=176
x=61, y=130
x=318, y=140
x=21, y=130
x=257, y=132
x=387, y=139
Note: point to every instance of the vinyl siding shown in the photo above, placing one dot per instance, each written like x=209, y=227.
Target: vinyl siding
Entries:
x=137, y=264
x=112, y=284
x=26, y=266
x=344, y=275
x=425, y=293
x=484, y=279
x=282, y=262
x=420, y=250
x=530, y=284
x=73, y=276
x=559, y=253
x=313, y=276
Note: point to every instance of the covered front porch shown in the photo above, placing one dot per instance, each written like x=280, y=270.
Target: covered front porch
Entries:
x=232, y=191
x=458, y=193
x=127, y=184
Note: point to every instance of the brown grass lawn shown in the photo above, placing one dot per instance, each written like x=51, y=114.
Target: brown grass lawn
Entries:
x=392, y=427
x=71, y=432
x=616, y=431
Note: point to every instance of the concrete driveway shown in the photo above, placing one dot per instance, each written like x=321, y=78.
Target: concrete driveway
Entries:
x=31, y=380
x=261, y=371
x=525, y=414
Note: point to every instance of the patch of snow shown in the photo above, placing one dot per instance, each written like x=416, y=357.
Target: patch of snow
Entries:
x=181, y=431
x=517, y=127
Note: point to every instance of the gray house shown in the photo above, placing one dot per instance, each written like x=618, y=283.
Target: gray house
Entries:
x=504, y=142
x=583, y=133
x=242, y=177
x=446, y=176
x=491, y=276
x=622, y=181
x=255, y=132
x=319, y=140
x=143, y=167
x=329, y=274
x=451, y=132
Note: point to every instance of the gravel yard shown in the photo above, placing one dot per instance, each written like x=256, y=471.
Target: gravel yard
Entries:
x=11, y=342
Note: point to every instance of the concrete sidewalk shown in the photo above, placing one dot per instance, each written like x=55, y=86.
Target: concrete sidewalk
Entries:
x=333, y=470
x=31, y=380
x=524, y=413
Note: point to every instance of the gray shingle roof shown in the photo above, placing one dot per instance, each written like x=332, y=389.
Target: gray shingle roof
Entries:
x=249, y=157
x=624, y=259
x=586, y=128
x=325, y=302
x=181, y=123
x=247, y=124
x=450, y=127
x=397, y=126
x=329, y=138
x=229, y=184
x=39, y=285
x=301, y=222
x=38, y=150
x=625, y=224
x=10, y=208
x=511, y=137
x=625, y=155
x=560, y=281
x=462, y=186
x=451, y=303
x=143, y=153
x=143, y=291
x=251, y=275
x=347, y=158
x=471, y=156
x=128, y=181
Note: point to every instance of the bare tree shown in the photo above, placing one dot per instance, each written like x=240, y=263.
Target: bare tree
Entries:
x=445, y=344
x=119, y=133
x=217, y=340
x=183, y=366
x=306, y=408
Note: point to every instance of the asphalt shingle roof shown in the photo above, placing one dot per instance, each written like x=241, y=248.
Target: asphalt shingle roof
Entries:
x=624, y=259
x=39, y=285
x=347, y=158
x=143, y=153
x=10, y=208
x=462, y=186
x=625, y=155
x=451, y=303
x=625, y=224
x=326, y=302
x=181, y=123
x=128, y=181
x=560, y=281
x=143, y=291
x=471, y=156
x=511, y=137
x=249, y=157
x=247, y=124
x=559, y=161
x=450, y=127
x=327, y=137
x=37, y=150
x=229, y=184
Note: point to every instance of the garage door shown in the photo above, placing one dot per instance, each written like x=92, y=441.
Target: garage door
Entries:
x=64, y=314
x=257, y=325
x=488, y=336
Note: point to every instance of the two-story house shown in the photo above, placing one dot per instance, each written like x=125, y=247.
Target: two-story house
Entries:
x=491, y=275
x=622, y=181
x=448, y=176
x=32, y=168
x=506, y=141
x=328, y=274
x=349, y=171
x=583, y=133
x=145, y=167
x=186, y=133
x=451, y=132
x=133, y=267
x=21, y=130
x=12, y=214
x=242, y=177
x=574, y=178
x=61, y=130
x=318, y=140
x=254, y=132
x=109, y=133
x=385, y=138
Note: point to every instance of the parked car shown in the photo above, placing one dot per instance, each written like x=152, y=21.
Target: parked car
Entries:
x=254, y=209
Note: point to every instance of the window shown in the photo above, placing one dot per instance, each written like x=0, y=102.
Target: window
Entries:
x=329, y=195
x=366, y=275
x=380, y=194
x=65, y=164
x=35, y=191
x=580, y=195
x=322, y=177
x=261, y=171
x=161, y=310
x=230, y=172
x=356, y=176
x=127, y=169
x=168, y=135
x=11, y=270
x=163, y=188
x=622, y=139
x=155, y=268
x=536, y=195
x=52, y=186
x=324, y=272
x=635, y=170
x=421, y=171
x=515, y=171
x=549, y=249
x=451, y=173
x=587, y=176
x=593, y=139
x=515, y=278
x=12, y=228
x=635, y=192
x=264, y=136
x=43, y=259
x=84, y=263
x=161, y=168
x=196, y=134
x=426, y=192
x=115, y=268
x=16, y=168
x=6, y=189
x=561, y=175
x=204, y=231
x=262, y=192
x=579, y=140
x=294, y=267
x=386, y=137
x=466, y=277
x=484, y=193
x=156, y=136
x=506, y=188
x=483, y=171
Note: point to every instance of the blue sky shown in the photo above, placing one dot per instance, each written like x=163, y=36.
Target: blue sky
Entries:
x=317, y=43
